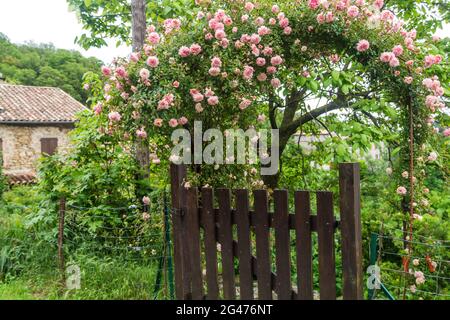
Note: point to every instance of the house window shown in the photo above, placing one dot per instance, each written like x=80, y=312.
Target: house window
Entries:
x=49, y=146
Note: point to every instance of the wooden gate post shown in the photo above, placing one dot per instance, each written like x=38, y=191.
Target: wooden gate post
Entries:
x=350, y=210
x=182, y=282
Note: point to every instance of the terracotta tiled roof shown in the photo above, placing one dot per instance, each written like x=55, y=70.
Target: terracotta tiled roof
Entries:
x=16, y=179
x=36, y=104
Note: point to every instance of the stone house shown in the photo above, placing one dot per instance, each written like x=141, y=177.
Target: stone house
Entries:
x=34, y=121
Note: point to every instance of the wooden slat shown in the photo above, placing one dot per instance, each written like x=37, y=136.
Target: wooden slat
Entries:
x=282, y=245
x=175, y=181
x=325, y=230
x=208, y=218
x=303, y=245
x=244, y=245
x=226, y=240
x=351, y=243
x=263, y=269
x=313, y=220
x=193, y=239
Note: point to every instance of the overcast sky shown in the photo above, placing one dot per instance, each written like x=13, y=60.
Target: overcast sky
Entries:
x=45, y=21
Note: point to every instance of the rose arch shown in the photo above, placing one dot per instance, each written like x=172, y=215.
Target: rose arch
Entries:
x=240, y=64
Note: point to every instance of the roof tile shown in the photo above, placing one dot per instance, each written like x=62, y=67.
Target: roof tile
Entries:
x=36, y=104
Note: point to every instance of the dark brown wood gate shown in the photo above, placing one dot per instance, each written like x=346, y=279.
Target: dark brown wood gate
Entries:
x=223, y=251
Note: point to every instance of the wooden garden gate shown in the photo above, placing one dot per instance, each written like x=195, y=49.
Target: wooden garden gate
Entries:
x=201, y=232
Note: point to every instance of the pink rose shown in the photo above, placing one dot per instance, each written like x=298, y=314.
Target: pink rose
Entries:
x=271, y=70
x=262, y=77
x=146, y=200
x=216, y=62
x=408, y=80
x=153, y=38
x=182, y=121
x=220, y=34
x=214, y=71
x=158, y=122
x=248, y=72
x=144, y=74
x=173, y=123
x=153, y=61
x=363, y=45
x=140, y=133
x=277, y=60
x=175, y=84
x=249, y=6
x=114, y=116
x=195, y=49
x=397, y=50
x=245, y=103
x=353, y=11
x=212, y=101
x=184, y=52
x=261, y=62
x=275, y=82
x=401, y=191
x=106, y=71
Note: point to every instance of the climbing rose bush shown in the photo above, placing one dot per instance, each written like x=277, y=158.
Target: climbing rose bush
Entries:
x=221, y=68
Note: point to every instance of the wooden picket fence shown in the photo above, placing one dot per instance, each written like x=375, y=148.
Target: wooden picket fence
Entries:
x=199, y=226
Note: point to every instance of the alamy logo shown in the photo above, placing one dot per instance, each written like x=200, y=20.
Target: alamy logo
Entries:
x=373, y=281
x=229, y=150
x=73, y=280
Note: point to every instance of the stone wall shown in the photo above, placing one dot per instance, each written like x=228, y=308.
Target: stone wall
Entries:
x=22, y=145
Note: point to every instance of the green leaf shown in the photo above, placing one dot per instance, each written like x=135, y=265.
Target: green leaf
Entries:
x=335, y=75
x=87, y=3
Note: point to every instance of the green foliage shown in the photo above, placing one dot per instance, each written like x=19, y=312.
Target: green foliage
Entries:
x=112, y=18
x=44, y=65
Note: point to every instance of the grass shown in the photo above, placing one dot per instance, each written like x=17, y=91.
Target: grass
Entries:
x=28, y=259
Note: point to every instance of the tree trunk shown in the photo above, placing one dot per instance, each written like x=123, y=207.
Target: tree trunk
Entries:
x=138, y=33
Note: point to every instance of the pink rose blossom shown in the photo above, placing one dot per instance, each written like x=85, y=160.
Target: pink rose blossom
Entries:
x=98, y=108
x=275, y=82
x=408, y=80
x=353, y=11
x=214, y=71
x=106, y=71
x=446, y=132
x=277, y=60
x=220, y=34
x=261, y=62
x=121, y=72
x=153, y=38
x=134, y=57
x=146, y=200
x=184, y=52
x=173, y=123
x=262, y=77
x=248, y=72
x=175, y=84
x=394, y=62
x=144, y=74
x=158, y=122
x=313, y=4
x=214, y=100
x=261, y=118
x=140, y=133
x=114, y=116
x=401, y=191
x=195, y=49
x=363, y=45
x=249, y=6
x=182, y=121
x=275, y=9
x=216, y=62
x=245, y=103
x=153, y=61
x=397, y=50
x=271, y=70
